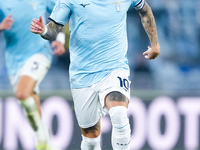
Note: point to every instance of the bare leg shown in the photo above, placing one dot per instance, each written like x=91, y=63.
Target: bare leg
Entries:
x=116, y=99
x=25, y=87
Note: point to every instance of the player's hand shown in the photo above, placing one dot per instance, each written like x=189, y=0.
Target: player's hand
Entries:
x=59, y=48
x=6, y=23
x=37, y=26
x=152, y=52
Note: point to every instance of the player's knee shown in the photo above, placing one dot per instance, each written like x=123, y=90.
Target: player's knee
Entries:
x=116, y=96
x=118, y=115
x=93, y=131
x=90, y=143
x=21, y=95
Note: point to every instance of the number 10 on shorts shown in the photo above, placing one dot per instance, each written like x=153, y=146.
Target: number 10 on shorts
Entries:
x=124, y=83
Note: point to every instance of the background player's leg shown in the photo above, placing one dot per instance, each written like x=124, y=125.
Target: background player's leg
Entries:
x=31, y=105
x=117, y=105
x=91, y=137
x=37, y=101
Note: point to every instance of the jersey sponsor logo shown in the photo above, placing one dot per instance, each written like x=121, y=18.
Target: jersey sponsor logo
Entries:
x=84, y=5
x=117, y=5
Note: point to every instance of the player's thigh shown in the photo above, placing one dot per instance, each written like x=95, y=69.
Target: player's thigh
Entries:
x=87, y=106
x=115, y=89
x=116, y=98
x=25, y=87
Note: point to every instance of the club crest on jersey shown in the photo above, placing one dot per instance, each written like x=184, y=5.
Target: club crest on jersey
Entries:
x=117, y=5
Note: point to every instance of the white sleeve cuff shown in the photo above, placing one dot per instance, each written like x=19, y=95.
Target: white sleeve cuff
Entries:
x=140, y=5
x=45, y=31
x=61, y=37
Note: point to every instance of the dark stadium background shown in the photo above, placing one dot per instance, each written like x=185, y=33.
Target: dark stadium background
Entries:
x=165, y=106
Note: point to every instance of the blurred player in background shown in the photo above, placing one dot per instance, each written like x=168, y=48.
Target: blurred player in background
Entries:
x=99, y=68
x=28, y=58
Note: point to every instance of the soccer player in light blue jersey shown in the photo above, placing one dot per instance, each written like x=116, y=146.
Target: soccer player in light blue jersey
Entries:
x=28, y=58
x=99, y=68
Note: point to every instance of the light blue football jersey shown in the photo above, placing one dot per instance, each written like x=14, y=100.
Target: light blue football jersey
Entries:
x=21, y=43
x=98, y=37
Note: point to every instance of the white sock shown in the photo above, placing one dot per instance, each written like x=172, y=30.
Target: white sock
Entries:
x=34, y=119
x=90, y=143
x=121, y=128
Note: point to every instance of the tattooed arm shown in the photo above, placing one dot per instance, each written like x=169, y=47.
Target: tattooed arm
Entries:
x=149, y=25
x=52, y=31
x=48, y=32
